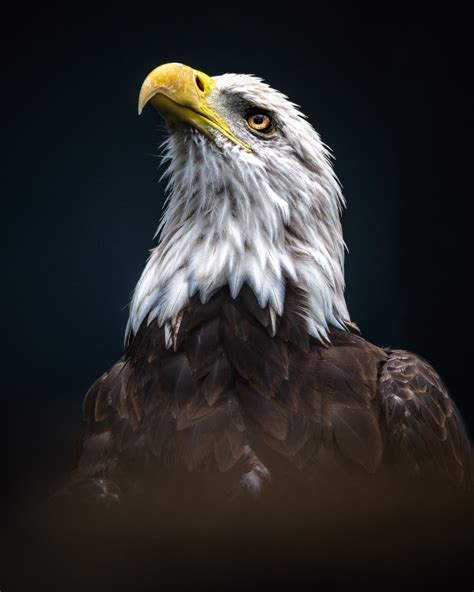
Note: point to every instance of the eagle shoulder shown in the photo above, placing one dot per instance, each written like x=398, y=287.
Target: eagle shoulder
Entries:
x=422, y=421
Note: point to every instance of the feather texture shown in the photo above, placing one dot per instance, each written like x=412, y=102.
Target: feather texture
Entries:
x=231, y=388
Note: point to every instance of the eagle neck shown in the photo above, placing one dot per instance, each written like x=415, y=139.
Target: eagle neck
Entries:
x=228, y=225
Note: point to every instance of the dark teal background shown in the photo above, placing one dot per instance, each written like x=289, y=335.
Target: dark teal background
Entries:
x=387, y=90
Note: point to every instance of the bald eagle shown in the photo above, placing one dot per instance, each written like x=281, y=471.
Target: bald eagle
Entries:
x=242, y=368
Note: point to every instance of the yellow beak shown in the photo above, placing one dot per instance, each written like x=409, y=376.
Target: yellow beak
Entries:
x=178, y=92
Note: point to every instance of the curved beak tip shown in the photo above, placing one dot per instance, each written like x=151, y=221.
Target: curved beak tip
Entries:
x=143, y=99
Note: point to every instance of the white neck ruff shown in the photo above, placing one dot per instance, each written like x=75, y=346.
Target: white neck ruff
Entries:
x=227, y=222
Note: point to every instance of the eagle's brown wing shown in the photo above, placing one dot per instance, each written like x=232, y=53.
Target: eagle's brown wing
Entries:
x=422, y=421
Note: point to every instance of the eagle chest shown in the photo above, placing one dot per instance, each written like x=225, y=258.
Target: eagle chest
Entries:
x=237, y=380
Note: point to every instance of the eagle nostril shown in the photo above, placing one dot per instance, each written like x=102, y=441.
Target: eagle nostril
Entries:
x=199, y=84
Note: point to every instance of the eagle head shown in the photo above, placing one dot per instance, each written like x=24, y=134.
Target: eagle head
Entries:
x=252, y=198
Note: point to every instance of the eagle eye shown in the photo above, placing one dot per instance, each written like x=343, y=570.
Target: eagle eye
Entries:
x=260, y=121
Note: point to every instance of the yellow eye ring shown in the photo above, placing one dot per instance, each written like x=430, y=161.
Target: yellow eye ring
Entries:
x=260, y=122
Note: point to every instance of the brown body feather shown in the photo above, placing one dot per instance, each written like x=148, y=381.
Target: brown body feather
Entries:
x=240, y=403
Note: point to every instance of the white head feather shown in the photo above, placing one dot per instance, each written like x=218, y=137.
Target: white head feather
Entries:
x=266, y=218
